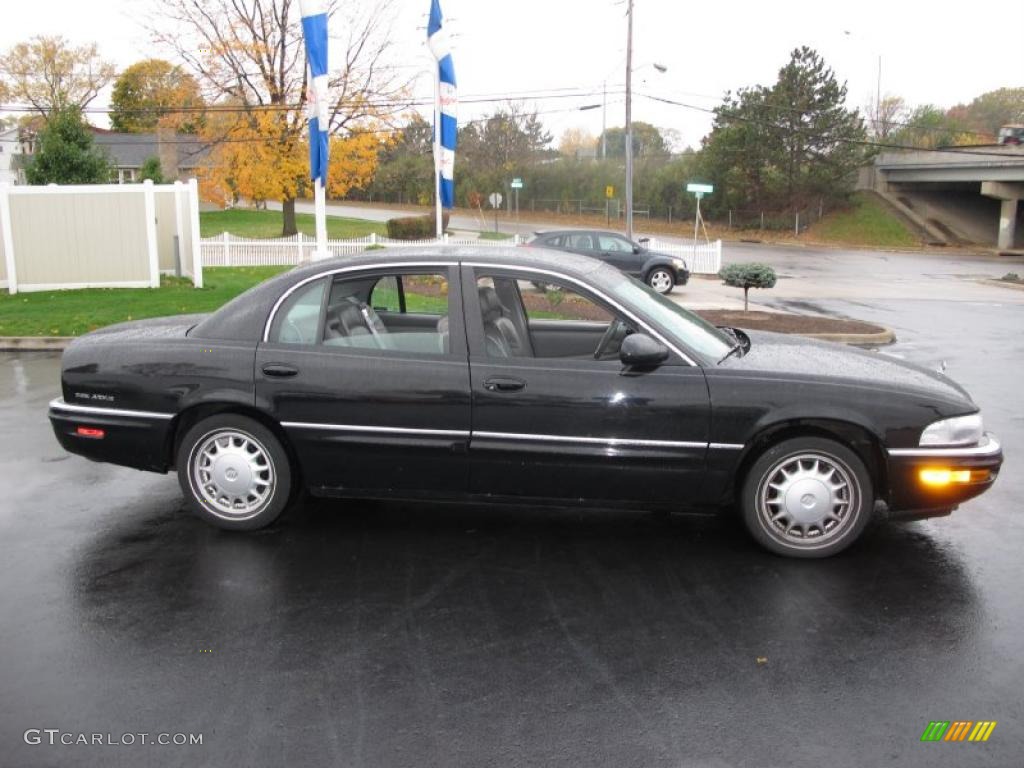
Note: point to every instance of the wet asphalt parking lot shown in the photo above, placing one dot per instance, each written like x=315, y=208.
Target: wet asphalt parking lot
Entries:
x=393, y=634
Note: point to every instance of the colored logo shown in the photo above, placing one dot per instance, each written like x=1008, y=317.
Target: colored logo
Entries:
x=958, y=730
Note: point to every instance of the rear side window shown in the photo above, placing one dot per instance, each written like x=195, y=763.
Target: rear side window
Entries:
x=298, y=320
x=388, y=314
x=579, y=242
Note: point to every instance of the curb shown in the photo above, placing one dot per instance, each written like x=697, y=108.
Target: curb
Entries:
x=888, y=336
x=34, y=343
x=1003, y=284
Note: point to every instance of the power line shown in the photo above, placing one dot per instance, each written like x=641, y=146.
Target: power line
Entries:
x=202, y=145
x=538, y=95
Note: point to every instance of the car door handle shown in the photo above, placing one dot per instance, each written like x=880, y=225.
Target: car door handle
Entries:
x=503, y=384
x=279, y=370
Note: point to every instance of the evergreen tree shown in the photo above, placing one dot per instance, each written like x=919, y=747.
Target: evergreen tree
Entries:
x=66, y=154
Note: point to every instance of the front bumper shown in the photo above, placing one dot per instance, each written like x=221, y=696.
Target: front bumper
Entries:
x=138, y=439
x=909, y=495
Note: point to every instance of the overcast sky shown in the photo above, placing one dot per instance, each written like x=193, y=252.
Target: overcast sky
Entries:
x=941, y=53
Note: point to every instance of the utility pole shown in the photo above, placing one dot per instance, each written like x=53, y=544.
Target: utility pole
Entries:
x=878, y=95
x=604, y=120
x=629, y=120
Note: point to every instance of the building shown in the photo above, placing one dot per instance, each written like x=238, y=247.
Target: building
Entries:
x=180, y=154
x=10, y=156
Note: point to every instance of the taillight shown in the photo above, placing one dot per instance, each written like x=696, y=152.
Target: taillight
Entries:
x=93, y=432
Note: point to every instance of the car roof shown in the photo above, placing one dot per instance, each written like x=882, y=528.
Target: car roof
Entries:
x=548, y=232
x=243, y=317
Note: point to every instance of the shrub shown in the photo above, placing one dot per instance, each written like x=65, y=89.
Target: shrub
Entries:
x=747, y=276
x=415, y=227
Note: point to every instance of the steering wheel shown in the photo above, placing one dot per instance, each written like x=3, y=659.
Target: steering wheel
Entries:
x=609, y=336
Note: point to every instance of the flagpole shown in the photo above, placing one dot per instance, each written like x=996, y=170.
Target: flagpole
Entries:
x=320, y=203
x=437, y=154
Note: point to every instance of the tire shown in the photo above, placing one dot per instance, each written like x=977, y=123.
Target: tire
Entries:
x=789, y=509
x=226, y=490
x=661, y=280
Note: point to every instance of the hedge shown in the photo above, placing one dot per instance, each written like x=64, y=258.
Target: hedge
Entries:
x=415, y=227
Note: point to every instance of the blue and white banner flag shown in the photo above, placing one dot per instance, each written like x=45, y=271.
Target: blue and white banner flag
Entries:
x=314, y=30
x=440, y=46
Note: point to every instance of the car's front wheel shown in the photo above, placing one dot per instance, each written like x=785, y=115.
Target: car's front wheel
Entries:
x=661, y=279
x=807, y=497
x=234, y=472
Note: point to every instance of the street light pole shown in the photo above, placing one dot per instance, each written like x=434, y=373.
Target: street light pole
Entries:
x=629, y=120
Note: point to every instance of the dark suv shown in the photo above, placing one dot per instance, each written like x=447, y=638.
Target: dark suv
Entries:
x=660, y=271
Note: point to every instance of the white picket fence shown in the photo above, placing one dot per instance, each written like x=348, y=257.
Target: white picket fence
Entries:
x=704, y=259
x=228, y=250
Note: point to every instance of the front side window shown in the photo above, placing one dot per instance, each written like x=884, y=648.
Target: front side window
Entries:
x=398, y=313
x=681, y=326
x=524, y=318
x=614, y=244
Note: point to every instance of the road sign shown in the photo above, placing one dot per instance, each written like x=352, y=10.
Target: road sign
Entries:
x=517, y=183
x=495, y=199
x=609, y=192
x=700, y=189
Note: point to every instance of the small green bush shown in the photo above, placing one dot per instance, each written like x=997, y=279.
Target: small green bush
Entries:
x=747, y=276
x=415, y=227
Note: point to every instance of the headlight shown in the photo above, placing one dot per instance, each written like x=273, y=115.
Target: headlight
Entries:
x=678, y=263
x=963, y=430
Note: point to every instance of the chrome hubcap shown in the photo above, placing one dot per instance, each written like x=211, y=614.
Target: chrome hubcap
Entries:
x=808, y=499
x=661, y=281
x=232, y=473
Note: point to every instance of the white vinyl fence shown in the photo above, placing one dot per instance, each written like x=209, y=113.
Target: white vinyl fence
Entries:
x=98, y=235
x=228, y=250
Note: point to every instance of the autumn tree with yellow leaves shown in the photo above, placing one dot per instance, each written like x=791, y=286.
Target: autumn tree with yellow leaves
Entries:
x=258, y=157
x=248, y=55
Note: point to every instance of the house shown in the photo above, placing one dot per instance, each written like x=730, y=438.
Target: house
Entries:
x=10, y=154
x=180, y=154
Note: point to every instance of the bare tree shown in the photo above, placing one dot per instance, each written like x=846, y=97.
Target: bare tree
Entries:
x=50, y=74
x=249, y=53
x=887, y=116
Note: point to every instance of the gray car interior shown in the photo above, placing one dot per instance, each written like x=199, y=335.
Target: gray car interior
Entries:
x=508, y=332
x=352, y=322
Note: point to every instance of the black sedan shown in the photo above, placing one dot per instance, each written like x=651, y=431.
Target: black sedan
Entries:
x=660, y=271
x=442, y=374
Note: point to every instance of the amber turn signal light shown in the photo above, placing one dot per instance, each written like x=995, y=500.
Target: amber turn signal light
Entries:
x=938, y=478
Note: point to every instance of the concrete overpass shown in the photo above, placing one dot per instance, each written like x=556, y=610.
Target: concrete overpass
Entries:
x=968, y=194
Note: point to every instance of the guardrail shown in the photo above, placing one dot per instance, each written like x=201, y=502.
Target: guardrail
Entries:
x=228, y=250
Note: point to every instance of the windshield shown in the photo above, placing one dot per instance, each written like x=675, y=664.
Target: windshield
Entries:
x=680, y=325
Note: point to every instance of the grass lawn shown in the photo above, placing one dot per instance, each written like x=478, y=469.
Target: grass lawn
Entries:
x=868, y=222
x=495, y=236
x=72, y=313
x=266, y=224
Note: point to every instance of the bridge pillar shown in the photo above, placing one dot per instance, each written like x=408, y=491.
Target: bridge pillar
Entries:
x=1007, y=224
x=1010, y=194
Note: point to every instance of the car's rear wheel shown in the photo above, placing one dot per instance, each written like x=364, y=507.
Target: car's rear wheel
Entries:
x=661, y=279
x=234, y=472
x=807, y=497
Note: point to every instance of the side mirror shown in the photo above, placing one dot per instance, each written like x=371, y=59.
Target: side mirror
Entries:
x=642, y=351
x=637, y=249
